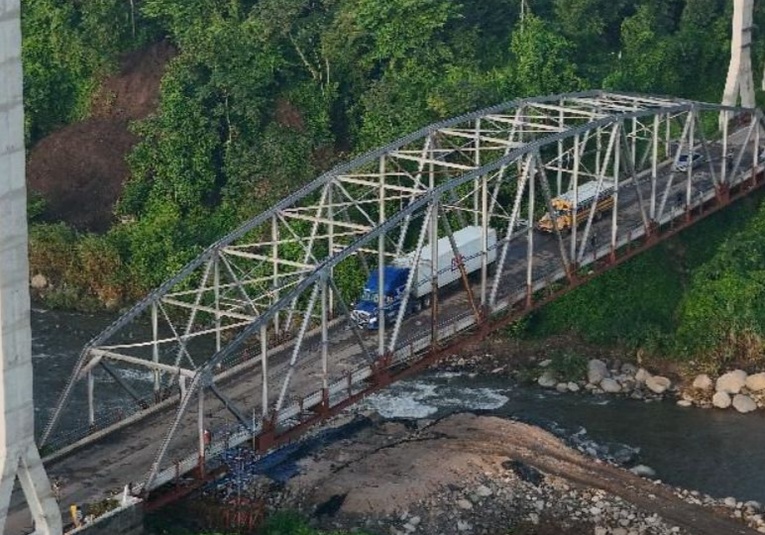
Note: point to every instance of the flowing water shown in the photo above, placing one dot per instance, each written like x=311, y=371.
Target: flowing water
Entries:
x=717, y=452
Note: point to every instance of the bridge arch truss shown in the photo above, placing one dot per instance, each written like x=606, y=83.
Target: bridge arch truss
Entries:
x=254, y=338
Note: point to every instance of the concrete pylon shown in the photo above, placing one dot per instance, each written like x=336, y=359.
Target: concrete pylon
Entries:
x=18, y=453
x=740, y=82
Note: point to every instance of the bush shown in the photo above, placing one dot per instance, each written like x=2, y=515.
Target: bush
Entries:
x=52, y=251
x=568, y=365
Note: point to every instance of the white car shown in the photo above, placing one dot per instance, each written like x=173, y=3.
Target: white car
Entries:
x=681, y=164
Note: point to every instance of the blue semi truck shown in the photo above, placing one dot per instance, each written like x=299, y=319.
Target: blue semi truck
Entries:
x=396, y=274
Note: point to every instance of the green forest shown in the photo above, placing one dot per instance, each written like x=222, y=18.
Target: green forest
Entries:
x=261, y=96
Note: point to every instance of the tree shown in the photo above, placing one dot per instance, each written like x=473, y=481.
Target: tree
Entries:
x=648, y=61
x=541, y=59
x=67, y=47
x=593, y=28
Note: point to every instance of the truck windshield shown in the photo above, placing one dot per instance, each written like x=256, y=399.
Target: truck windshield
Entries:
x=369, y=295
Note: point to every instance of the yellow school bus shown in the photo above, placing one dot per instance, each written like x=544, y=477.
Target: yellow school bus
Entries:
x=583, y=198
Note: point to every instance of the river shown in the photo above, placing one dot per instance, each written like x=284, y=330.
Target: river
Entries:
x=717, y=452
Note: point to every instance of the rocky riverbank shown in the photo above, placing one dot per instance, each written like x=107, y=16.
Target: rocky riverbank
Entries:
x=609, y=374
x=468, y=474
x=736, y=389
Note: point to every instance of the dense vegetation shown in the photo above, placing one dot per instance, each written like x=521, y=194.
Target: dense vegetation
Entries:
x=264, y=94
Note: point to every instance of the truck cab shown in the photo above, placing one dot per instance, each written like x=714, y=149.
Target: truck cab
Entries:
x=364, y=313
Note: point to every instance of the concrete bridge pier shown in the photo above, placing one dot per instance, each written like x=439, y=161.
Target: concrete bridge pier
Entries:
x=18, y=451
x=740, y=82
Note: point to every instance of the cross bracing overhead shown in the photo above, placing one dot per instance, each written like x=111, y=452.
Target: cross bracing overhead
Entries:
x=259, y=327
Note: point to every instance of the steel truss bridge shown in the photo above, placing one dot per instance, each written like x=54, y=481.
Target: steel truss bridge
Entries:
x=253, y=339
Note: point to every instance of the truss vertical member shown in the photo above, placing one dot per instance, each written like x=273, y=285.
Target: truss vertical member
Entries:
x=740, y=82
x=18, y=452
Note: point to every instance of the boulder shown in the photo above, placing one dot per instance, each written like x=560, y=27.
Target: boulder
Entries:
x=483, y=491
x=657, y=383
x=38, y=282
x=562, y=387
x=684, y=403
x=643, y=470
x=744, y=403
x=756, y=382
x=721, y=400
x=641, y=375
x=731, y=382
x=628, y=384
x=462, y=503
x=596, y=371
x=702, y=382
x=573, y=387
x=610, y=385
x=629, y=369
x=547, y=379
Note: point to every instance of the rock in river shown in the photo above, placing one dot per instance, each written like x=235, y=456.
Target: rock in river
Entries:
x=744, y=403
x=610, y=385
x=756, y=382
x=731, y=382
x=721, y=400
x=657, y=383
x=642, y=375
x=702, y=382
x=643, y=471
x=596, y=371
x=547, y=379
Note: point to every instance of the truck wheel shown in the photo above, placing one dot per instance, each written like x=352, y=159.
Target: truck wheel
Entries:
x=416, y=306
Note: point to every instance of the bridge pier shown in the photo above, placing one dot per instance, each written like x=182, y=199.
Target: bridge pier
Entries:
x=740, y=82
x=18, y=451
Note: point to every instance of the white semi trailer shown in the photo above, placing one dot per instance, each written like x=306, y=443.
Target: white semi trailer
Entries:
x=469, y=244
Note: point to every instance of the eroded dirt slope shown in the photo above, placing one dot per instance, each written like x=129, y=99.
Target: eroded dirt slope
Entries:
x=80, y=169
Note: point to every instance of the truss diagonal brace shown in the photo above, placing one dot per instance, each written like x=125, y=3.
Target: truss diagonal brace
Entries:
x=120, y=381
x=230, y=406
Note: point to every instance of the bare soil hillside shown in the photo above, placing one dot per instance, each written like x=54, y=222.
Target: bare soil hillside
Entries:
x=80, y=169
